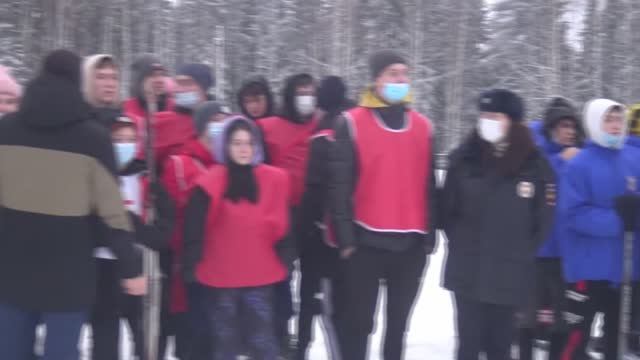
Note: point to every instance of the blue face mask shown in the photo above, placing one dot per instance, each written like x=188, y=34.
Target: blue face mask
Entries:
x=395, y=93
x=187, y=100
x=612, y=141
x=125, y=152
x=214, y=129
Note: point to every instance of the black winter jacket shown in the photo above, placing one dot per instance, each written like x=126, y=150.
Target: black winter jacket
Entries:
x=494, y=223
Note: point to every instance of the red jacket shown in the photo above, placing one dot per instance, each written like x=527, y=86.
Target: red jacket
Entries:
x=240, y=238
x=180, y=172
x=287, y=146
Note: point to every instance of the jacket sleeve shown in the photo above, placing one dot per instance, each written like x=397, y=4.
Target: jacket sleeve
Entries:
x=194, y=230
x=342, y=178
x=312, y=208
x=544, y=202
x=449, y=198
x=286, y=247
x=433, y=194
x=582, y=215
x=156, y=235
x=108, y=206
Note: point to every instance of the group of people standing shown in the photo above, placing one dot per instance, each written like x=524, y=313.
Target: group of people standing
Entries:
x=345, y=192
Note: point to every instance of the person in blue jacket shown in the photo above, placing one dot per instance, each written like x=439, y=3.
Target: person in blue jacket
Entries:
x=559, y=136
x=595, y=179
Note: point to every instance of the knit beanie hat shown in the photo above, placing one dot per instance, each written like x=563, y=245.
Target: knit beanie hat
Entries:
x=203, y=114
x=63, y=63
x=8, y=85
x=382, y=59
x=332, y=93
x=200, y=73
x=502, y=101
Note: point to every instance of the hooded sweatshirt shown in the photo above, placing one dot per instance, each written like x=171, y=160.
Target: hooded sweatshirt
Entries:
x=592, y=249
x=58, y=176
x=261, y=83
x=104, y=115
x=223, y=235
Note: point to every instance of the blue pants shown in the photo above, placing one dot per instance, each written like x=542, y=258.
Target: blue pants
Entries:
x=17, y=333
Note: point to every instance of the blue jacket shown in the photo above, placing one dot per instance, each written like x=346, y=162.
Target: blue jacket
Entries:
x=634, y=141
x=551, y=247
x=592, y=180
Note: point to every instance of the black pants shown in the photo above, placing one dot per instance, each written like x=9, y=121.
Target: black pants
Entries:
x=193, y=329
x=584, y=300
x=242, y=317
x=111, y=306
x=484, y=328
x=318, y=296
x=402, y=272
x=543, y=317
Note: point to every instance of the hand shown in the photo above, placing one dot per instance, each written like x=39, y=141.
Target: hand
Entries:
x=569, y=153
x=628, y=208
x=135, y=286
x=347, y=252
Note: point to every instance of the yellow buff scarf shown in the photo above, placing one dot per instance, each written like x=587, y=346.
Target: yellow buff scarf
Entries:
x=369, y=99
x=634, y=120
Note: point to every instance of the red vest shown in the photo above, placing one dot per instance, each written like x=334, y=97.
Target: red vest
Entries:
x=393, y=172
x=288, y=148
x=240, y=238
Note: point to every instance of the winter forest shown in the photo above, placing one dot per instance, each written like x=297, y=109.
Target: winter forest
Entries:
x=579, y=49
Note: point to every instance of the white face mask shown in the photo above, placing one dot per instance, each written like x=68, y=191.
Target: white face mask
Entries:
x=490, y=130
x=305, y=104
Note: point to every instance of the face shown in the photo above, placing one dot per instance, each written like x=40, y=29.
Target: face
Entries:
x=393, y=74
x=8, y=103
x=106, y=84
x=241, y=147
x=502, y=118
x=564, y=133
x=613, y=123
x=123, y=135
x=155, y=83
x=187, y=84
x=306, y=90
x=255, y=105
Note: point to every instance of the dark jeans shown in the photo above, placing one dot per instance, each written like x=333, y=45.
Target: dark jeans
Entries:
x=584, y=300
x=17, y=333
x=193, y=329
x=402, y=273
x=484, y=328
x=283, y=308
x=242, y=317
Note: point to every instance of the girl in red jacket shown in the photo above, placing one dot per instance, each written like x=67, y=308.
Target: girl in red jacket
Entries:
x=236, y=217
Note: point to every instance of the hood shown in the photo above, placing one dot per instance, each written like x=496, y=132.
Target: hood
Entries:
x=289, y=110
x=51, y=101
x=593, y=115
x=537, y=132
x=88, y=69
x=262, y=84
x=220, y=143
x=140, y=70
x=558, y=109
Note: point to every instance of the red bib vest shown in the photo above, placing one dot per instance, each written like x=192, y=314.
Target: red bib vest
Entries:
x=288, y=147
x=240, y=238
x=393, y=172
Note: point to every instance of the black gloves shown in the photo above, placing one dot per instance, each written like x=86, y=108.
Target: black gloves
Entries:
x=628, y=208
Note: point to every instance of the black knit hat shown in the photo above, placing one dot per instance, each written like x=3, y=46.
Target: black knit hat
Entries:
x=502, y=101
x=63, y=63
x=382, y=59
x=200, y=73
x=332, y=93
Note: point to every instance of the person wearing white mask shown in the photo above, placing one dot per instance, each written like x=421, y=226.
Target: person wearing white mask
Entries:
x=111, y=303
x=382, y=199
x=602, y=176
x=497, y=207
x=179, y=173
x=286, y=143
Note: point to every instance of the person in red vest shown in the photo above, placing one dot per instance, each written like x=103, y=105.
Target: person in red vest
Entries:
x=237, y=214
x=255, y=98
x=111, y=303
x=286, y=139
x=319, y=257
x=180, y=172
x=382, y=193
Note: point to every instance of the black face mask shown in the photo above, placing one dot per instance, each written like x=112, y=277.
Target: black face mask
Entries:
x=241, y=183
